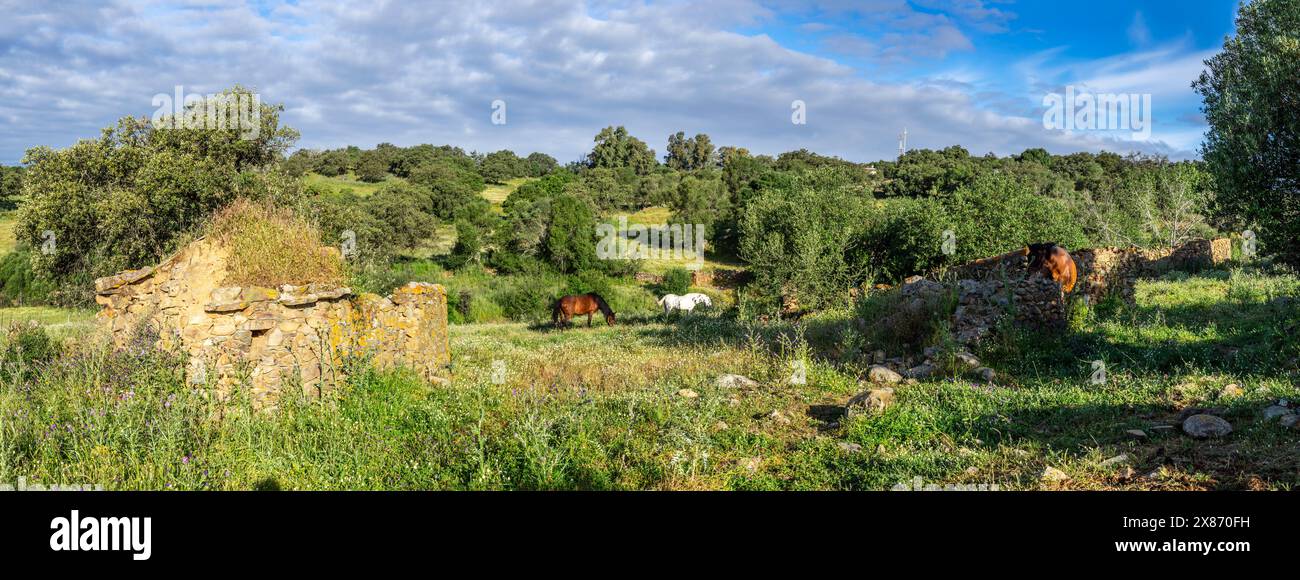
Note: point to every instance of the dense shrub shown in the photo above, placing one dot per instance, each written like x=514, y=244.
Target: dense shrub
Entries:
x=676, y=281
x=19, y=285
x=25, y=348
x=397, y=210
x=798, y=243
x=526, y=303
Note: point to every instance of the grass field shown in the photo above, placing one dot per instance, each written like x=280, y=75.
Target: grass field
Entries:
x=347, y=182
x=58, y=322
x=8, y=222
x=636, y=406
x=659, y=216
x=497, y=193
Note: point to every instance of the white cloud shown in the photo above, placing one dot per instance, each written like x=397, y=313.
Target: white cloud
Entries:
x=364, y=73
x=1138, y=33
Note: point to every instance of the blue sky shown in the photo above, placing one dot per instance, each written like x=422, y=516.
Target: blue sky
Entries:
x=967, y=72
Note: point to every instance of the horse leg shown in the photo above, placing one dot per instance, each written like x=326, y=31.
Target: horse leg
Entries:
x=588, y=320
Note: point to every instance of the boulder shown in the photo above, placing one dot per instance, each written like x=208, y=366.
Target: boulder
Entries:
x=1275, y=411
x=872, y=400
x=730, y=381
x=920, y=371
x=883, y=374
x=1205, y=426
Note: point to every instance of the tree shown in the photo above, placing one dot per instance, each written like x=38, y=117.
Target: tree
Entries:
x=500, y=166
x=397, y=207
x=616, y=148
x=11, y=182
x=332, y=163
x=372, y=167
x=689, y=154
x=1251, y=92
x=540, y=164
x=122, y=201
x=571, y=237
x=448, y=185
x=701, y=200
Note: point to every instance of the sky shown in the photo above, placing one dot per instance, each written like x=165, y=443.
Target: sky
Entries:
x=975, y=73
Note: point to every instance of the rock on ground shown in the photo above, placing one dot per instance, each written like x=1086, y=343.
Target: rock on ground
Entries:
x=873, y=400
x=1205, y=426
x=1054, y=475
x=882, y=374
x=1274, y=411
x=735, y=381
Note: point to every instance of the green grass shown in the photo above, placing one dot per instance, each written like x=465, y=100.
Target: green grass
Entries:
x=8, y=224
x=497, y=193
x=658, y=216
x=347, y=182
x=58, y=322
x=609, y=408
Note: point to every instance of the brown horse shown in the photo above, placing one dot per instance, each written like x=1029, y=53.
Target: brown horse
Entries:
x=1054, y=262
x=569, y=306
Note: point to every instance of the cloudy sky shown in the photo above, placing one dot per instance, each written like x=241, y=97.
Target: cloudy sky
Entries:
x=968, y=72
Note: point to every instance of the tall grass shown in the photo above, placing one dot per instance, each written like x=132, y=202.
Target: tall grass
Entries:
x=271, y=246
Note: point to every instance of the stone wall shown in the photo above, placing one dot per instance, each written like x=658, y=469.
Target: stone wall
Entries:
x=1035, y=302
x=1107, y=270
x=991, y=289
x=272, y=338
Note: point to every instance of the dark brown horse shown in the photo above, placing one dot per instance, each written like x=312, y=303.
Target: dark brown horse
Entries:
x=569, y=306
x=1052, y=261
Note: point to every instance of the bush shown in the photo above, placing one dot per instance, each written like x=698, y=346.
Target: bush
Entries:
x=19, y=284
x=895, y=323
x=676, y=281
x=799, y=241
x=526, y=303
x=26, y=348
x=269, y=247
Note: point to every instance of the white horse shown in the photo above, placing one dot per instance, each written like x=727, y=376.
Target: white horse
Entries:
x=685, y=303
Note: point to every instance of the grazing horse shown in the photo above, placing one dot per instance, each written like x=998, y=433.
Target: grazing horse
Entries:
x=685, y=303
x=576, y=305
x=1054, y=262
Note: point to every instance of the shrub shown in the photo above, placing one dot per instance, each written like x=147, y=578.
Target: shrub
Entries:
x=676, y=281
x=26, y=348
x=270, y=246
x=890, y=321
x=19, y=284
x=798, y=241
x=526, y=303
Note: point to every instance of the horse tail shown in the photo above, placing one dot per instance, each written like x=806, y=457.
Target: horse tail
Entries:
x=555, y=312
x=661, y=300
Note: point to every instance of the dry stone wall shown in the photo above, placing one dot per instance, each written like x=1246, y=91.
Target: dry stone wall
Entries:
x=1107, y=270
x=992, y=289
x=272, y=338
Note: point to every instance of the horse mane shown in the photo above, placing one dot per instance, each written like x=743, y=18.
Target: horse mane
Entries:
x=600, y=303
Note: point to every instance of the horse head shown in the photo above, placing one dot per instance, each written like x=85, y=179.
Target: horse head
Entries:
x=1039, y=254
